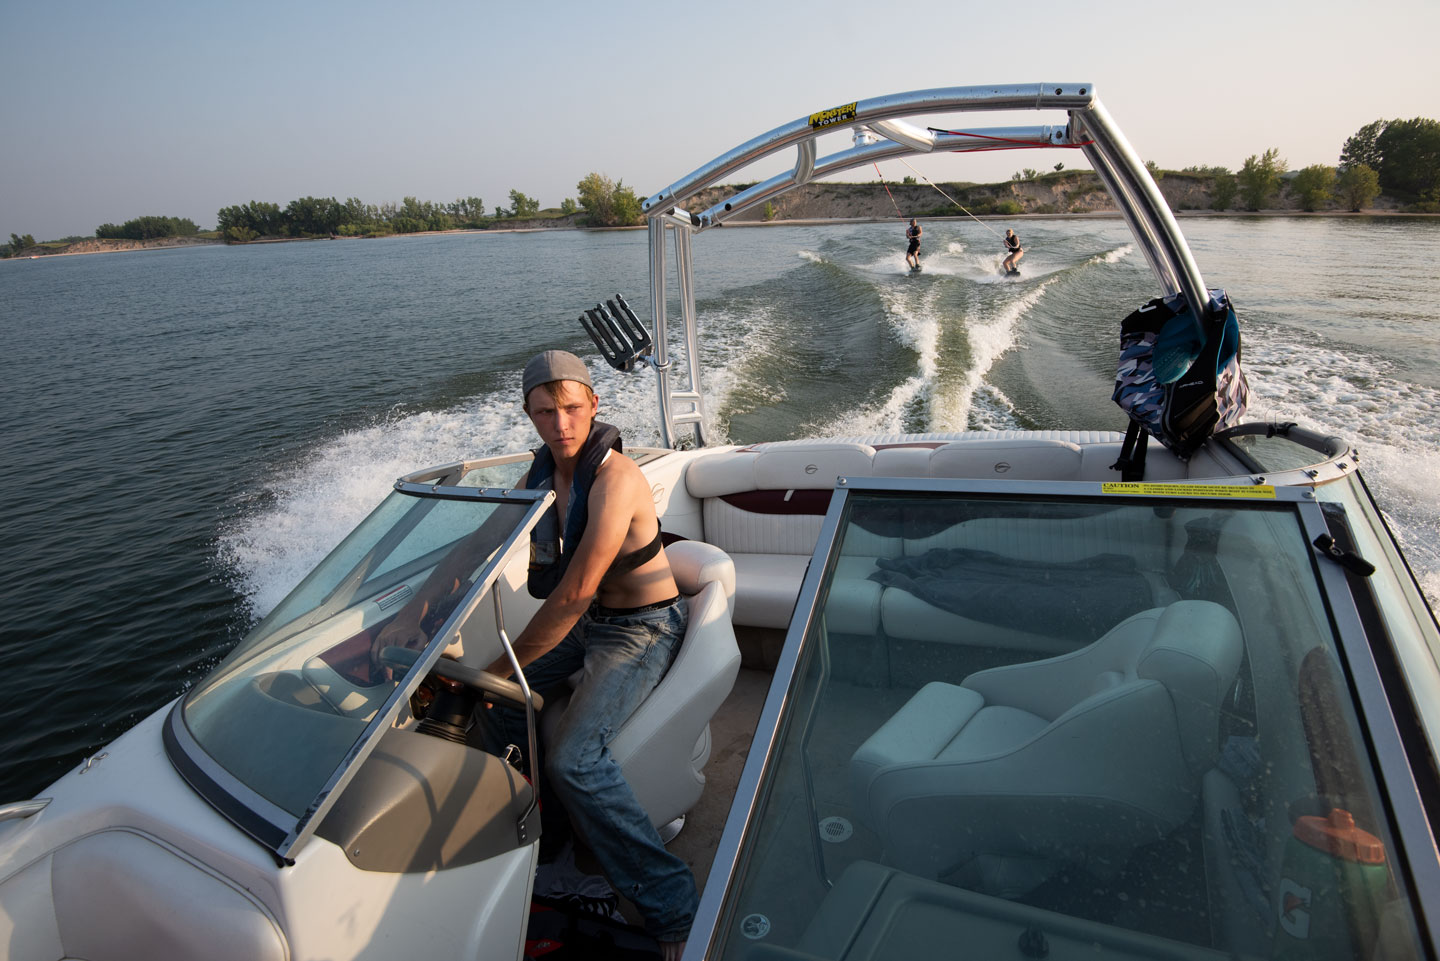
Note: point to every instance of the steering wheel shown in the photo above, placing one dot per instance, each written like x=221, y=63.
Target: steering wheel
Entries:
x=483, y=682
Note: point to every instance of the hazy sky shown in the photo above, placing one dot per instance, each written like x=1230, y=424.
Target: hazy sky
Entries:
x=113, y=110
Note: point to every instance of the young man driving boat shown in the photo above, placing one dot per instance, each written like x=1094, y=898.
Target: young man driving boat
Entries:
x=612, y=608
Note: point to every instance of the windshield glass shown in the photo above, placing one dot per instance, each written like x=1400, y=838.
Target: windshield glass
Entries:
x=283, y=712
x=1109, y=727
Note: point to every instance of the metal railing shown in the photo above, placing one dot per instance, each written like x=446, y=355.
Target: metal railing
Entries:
x=1088, y=128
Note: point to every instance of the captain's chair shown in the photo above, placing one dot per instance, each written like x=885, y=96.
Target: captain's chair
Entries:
x=665, y=744
x=1074, y=759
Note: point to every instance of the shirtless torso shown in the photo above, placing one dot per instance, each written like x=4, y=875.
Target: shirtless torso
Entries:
x=621, y=495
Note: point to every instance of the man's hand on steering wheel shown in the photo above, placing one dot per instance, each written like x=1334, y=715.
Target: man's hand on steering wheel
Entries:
x=403, y=631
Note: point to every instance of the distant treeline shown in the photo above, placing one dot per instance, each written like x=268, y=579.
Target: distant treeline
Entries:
x=147, y=228
x=1399, y=158
x=603, y=202
x=326, y=216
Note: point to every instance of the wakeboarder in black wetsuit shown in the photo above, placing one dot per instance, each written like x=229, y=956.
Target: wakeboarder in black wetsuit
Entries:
x=1013, y=253
x=912, y=252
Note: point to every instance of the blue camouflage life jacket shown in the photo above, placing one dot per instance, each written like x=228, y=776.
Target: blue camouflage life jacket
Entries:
x=1179, y=378
x=550, y=553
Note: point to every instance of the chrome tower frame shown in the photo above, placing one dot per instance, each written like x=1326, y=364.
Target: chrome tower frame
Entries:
x=881, y=132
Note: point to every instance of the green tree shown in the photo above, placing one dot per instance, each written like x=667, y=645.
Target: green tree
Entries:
x=247, y=221
x=1259, y=179
x=607, y=203
x=1357, y=186
x=148, y=228
x=1314, y=186
x=569, y=206
x=1223, y=190
x=596, y=192
x=1029, y=173
x=19, y=242
x=468, y=210
x=313, y=215
x=626, y=206
x=1362, y=148
x=523, y=206
x=1059, y=167
x=1156, y=173
x=354, y=212
x=1409, y=157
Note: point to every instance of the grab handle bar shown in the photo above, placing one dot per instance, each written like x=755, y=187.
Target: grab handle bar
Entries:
x=22, y=809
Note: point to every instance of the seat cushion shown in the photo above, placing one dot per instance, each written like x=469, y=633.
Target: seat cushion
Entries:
x=1031, y=460
x=853, y=606
x=696, y=563
x=906, y=616
x=993, y=730
x=919, y=731
x=1195, y=653
x=738, y=531
x=766, y=586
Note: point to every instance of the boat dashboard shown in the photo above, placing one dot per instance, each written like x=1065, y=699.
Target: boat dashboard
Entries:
x=274, y=734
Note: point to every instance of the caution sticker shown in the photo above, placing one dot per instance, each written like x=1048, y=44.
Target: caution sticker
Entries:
x=1262, y=491
x=827, y=118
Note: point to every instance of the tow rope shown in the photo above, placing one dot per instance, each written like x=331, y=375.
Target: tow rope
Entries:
x=1017, y=144
x=948, y=197
x=888, y=193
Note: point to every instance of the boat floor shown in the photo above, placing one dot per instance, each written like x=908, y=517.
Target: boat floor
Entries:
x=731, y=731
x=848, y=713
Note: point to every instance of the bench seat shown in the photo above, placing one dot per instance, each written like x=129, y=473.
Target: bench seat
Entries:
x=764, y=505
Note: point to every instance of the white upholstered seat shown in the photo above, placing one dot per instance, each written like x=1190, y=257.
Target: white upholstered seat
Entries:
x=663, y=747
x=1077, y=758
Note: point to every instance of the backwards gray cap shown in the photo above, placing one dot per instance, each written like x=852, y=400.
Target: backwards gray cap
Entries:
x=554, y=365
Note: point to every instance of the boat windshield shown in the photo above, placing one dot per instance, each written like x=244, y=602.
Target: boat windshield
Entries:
x=271, y=733
x=1046, y=723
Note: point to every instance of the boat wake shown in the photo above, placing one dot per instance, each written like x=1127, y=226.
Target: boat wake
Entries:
x=305, y=509
x=1394, y=424
x=1112, y=256
x=957, y=335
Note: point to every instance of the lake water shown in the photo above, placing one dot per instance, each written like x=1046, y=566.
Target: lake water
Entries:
x=188, y=431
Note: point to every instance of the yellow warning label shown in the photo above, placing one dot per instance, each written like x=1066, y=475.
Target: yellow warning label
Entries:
x=1264, y=491
x=834, y=115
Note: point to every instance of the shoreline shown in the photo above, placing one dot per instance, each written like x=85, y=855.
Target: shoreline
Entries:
x=171, y=243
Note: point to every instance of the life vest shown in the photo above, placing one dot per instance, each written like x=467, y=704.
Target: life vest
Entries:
x=1178, y=378
x=550, y=553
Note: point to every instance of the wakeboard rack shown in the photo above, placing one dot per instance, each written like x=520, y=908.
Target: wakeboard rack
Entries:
x=618, y=334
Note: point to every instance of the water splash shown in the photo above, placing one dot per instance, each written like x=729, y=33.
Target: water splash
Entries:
x=308, y=508
x=1394, y=424
x=915, y=322
x=991, y=335
x=1112, y=256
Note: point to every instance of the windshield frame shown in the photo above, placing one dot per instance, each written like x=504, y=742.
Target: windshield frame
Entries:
x=1399, y=795
x=280, y=831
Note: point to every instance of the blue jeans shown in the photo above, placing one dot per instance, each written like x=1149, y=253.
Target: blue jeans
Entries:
x=624, y=657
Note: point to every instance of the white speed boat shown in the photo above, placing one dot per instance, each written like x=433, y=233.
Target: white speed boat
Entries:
x=1021, y=707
